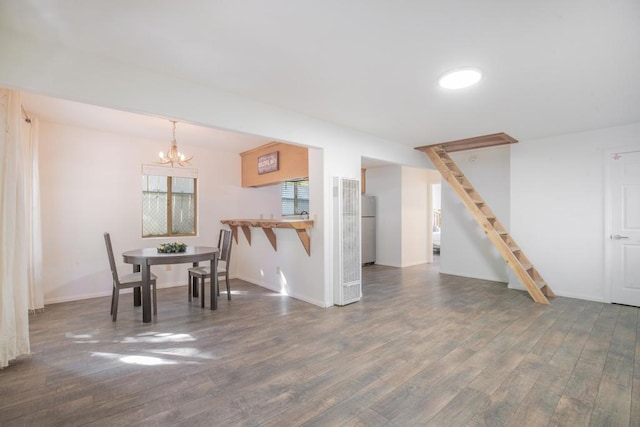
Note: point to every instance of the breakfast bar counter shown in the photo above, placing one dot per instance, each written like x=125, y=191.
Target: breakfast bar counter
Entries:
x=267, y=225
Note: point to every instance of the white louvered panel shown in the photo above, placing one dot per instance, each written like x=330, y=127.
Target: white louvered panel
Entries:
x=348, y=285
x=351, y=293
x=350, y=232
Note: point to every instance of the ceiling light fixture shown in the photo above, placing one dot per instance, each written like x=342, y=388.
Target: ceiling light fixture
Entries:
x=174, y=156
x=460, y=78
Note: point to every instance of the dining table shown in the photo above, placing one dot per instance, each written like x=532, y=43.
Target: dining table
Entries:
x=143, y=259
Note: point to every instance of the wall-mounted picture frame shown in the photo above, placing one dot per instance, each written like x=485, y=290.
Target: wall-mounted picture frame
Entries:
x=268, y=163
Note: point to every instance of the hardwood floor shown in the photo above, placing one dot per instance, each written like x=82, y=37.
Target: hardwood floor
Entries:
x=420, y=349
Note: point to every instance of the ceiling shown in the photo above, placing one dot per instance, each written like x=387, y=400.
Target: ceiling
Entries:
x=135, y=125
x=550, y=67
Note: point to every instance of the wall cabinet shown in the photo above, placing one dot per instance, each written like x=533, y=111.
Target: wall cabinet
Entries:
x=292, y=163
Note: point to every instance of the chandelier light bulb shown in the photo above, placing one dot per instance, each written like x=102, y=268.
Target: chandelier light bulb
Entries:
x=173, y=156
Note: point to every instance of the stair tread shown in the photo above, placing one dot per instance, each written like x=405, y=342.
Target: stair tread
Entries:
x=507, y=247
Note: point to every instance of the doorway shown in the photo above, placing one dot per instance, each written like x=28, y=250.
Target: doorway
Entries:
x=436, y=220
x=623, y=226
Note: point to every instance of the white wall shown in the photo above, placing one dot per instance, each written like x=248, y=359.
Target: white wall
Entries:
x=91, y=183
x=557, y=207
x=555, y=210
x=403, y=214
x=79, y=76
x=415, y=219
x=289, y=270
x=56, y=71
x=385, y=183
x=465, y=250
x=436, y=195
x=564, y=173
x=110, y=164
x=434, y=200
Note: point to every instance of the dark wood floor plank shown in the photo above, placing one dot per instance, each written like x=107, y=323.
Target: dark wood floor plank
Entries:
x=613, y=402
x=567, y=359
x=510, y=394
x=388, y=386
x=461, y=409
x=586, y=376
x=571, y=411
x=421, y=347
x=514, y=374
x=635, y=392
x=543, y=400
x=540, y=403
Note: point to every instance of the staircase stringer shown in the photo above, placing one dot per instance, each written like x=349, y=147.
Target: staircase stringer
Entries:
x=495, y=231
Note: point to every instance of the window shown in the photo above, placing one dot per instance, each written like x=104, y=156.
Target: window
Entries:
x=295, y=197
x=168, y=203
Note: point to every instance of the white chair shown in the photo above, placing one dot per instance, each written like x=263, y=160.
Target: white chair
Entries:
x=201, y=273
x=132, y=280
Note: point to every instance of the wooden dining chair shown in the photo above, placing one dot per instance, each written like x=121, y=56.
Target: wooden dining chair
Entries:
x=131, y=280
x=199, y=274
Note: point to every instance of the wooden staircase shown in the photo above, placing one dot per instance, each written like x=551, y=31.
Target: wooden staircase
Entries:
x=501, y=239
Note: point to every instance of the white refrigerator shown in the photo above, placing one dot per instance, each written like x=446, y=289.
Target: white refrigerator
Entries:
x=368, y=244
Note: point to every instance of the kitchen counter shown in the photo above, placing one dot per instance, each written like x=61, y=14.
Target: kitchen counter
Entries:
x=267, y=225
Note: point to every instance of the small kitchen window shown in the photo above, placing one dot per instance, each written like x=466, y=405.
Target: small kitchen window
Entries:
x=295, y=197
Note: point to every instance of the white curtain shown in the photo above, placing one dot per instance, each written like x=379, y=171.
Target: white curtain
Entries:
x=32, y=197
x=14, y=247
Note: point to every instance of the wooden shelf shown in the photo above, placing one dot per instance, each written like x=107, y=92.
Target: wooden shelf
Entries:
x=268, y=225
x=471, y=143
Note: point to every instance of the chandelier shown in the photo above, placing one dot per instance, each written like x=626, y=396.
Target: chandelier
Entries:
x=173, y=156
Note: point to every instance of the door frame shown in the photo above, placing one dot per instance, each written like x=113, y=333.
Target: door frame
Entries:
x=608, y=217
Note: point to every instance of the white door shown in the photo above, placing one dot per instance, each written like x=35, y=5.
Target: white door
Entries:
x=624, y=188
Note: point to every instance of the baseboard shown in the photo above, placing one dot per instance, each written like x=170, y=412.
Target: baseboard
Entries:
x=518, y=286
x=107, y=293
x=293, y=295
x=101, y=294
